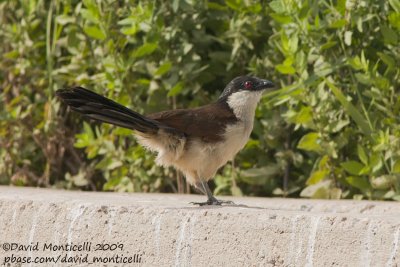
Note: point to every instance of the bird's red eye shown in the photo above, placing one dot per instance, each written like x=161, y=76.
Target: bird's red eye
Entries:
x=248, y=85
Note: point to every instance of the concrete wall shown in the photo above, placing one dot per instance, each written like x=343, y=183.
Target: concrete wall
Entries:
x=164, y=230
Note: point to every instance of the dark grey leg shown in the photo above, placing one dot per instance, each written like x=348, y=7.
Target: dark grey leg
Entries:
x=211, y=200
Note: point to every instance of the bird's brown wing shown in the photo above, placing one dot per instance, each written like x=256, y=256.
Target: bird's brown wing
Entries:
x=207, y=122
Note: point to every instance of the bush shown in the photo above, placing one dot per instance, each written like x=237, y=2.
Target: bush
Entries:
x=331, y=132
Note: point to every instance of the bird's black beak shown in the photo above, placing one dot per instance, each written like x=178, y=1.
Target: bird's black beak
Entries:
x=264, y=84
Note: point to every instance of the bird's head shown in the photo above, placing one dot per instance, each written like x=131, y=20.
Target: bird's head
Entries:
x=244, y=92
x=246, y=85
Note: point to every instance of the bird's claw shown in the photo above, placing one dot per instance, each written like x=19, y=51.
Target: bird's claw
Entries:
x=213, y=202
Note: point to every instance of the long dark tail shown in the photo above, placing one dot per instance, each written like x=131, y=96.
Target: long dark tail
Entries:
x=99, y=108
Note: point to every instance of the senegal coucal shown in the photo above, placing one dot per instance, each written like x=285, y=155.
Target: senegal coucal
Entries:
x=196, y=141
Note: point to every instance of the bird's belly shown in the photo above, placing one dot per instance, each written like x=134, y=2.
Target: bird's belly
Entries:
x=199, y=160
x=236, y=137
x=202, y=160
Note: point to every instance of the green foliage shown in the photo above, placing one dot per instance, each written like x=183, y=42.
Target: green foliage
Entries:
x=332, y=131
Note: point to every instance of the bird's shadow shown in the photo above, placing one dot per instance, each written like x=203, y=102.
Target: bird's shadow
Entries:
x=233, y=205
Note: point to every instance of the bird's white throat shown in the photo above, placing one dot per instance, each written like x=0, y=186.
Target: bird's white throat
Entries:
x=244, y=103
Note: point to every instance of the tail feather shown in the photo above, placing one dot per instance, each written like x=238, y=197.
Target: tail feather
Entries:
x=99, y=108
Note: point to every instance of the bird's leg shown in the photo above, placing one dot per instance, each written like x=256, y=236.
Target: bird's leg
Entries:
x=199, y=188
x=205, y=189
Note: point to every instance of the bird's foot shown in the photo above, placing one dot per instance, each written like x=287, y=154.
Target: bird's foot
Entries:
x=213, y=202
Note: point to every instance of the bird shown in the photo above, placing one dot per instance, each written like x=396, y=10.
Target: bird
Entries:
x=196, y=141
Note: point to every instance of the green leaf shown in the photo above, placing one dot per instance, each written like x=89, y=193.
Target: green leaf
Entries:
x=358, y=197
x=375, y=162
x=303, y=117
x=82, y=140
x=114, y=164
x=335, y=193
x=394, y=20
x=321, y=193
x=316, y=177
x=112, y=183
x=80, y=179
x=90, y=15
x=129, y=30
x=260, y=176
x=233, y=4
x=304, y=11
x=92, y=151
x=285, y=69
x=358, y=182
x=310, y=142
x=293, y=46
x=64, y=19
x=108, y=163
x=122, y=131
x=356, y=63
x=145, y=49
x=269, y=170
x=363, y=78
x=94, y=32
x=12, y=54
x=362, y=155
x=389, y=194
x=216, y=6
x=328, y=45
x=164, y=68
x=277, y=6
x=88, y=130
x=319, y=190
x=395, y=5
x=324, y=162
x=341, y=7
x=175, y=5
x=352, y=167
x=338, y=24
x=323, y=69
x=317, y=21
x=285, y=43
x=282, y=19
x=396, y=167
x=351, y=109
x=387, y=59
x=236, y=191
x=187, y=47
x=127, y=21
x=337, y=126
x=176, y=89
x=389, y=35
x=382, y=182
